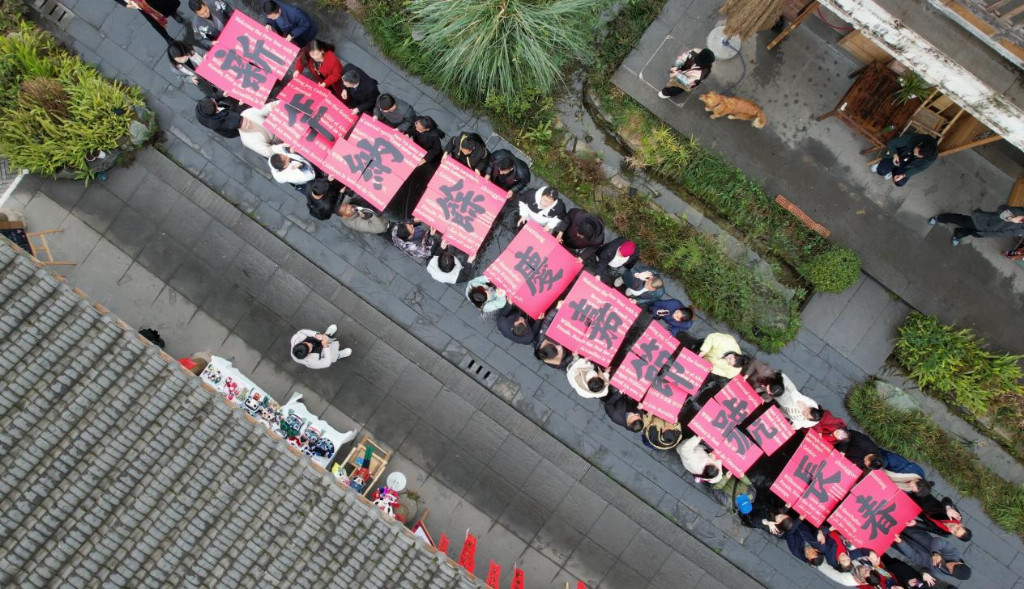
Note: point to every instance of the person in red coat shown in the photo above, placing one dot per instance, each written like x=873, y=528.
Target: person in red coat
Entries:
x=323, y=64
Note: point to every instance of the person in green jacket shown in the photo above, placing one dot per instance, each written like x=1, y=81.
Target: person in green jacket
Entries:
x=905, y=156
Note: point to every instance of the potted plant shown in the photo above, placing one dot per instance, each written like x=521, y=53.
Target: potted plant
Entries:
x=911, y=86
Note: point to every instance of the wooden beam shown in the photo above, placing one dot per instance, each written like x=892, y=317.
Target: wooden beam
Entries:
x=971, y=144
x=806, y=12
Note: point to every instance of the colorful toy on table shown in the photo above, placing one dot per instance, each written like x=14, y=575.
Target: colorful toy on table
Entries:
x=338, y=470
x=361, y=475
x=386, y=499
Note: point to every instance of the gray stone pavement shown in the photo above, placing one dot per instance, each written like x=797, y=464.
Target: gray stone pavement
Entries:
x=817, y=165
x=428, y=318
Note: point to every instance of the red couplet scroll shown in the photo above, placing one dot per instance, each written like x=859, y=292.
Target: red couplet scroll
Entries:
x=874, y=512
x=593, y=320
x=374, y=161
x=310, y=119
x=460, y=204
x=247, y=60
x=534, y=270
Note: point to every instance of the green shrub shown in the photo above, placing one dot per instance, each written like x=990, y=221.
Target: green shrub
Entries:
x=833, y=270
x=55, y=110
x=502, y=46
x=913, y=435
x=951, y=364
x=12, y=13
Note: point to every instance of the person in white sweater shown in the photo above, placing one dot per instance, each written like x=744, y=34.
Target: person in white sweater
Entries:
x=541, y=206
x=699, y=462
x=288, y=167
x=801, y=410
x=253, y=134
x=317, y=350
x=587, y=379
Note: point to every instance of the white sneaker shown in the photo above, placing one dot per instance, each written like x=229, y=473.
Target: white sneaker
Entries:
x=345, y=353
x=331, y=330
x=888, y=176
x=874, y=169
x=660, y=95
x=617, y=282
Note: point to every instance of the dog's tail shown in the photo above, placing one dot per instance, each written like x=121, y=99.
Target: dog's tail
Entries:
x=760, y=121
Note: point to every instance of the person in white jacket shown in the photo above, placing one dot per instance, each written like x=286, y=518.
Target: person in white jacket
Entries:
x=317, y=350
x=541, y=206
x=699, y=462
x=288, y=167
x=587, y=379
x=801, y=410
x=253, y=134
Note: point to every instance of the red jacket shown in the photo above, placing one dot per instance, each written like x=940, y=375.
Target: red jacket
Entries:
x=829, y=423
x=328, y=72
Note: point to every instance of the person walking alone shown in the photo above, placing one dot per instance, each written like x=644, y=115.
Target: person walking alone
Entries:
x=1006, y=221
x=689, y=71
x=317, y=350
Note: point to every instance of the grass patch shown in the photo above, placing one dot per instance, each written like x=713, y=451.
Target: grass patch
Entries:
x=913, y=435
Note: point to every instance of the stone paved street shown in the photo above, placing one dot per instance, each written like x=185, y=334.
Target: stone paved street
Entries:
x=568, y=490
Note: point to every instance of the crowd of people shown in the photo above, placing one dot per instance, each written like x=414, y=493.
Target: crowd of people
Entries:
x=922, y=554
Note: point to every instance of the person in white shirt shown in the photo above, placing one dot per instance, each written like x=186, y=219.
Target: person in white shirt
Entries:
x=288, y=167
x=587, y=379
x=801, y=410
x=253, y=134
x=317, y=350
x=699, y=462
x=445, y=267
x=541, y=206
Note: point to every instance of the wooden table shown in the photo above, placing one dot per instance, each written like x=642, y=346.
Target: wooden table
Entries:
x=870, y=107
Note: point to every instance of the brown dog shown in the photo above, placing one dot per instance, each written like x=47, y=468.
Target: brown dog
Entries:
x=734, y=108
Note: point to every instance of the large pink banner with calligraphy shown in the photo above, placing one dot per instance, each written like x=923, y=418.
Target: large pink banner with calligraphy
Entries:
x=374, y=161
x=310, y=119
x=771, y=430
x=796, y=476
x=534, y=270
x=717, y=424
x=460, y=204
x=247, y=60
x=833, y=478
x=874, y=512
x=644, y=363
x=593, y=320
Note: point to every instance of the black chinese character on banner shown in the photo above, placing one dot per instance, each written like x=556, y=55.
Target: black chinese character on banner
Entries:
x=812, y=474
x=368, y=161
x=534, y=269
x=257, y=52
x=740, y=443
x=249, y=76
x=461, y=207
x=762, y=432
x=300, y=109
x=648, y=364
x=602, y=322
x=877, y=515
x=730, y=416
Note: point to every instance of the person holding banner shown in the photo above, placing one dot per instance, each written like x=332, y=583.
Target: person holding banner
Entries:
x=699, y=461
x=724, y=353
x=469, y=150
x=587, y=379
x=614, y=258
x=415, y=239
x=184, y=61
x=321, y=198
x=288, y=167
x=219, y=116
x=581, y=232
x=395, y=113
x=209, y=20
x=289, y=21
x=542, y=206
x=156, y=13
x=508, y=171
x=253, y=134
x=623, y=410
x=518, y=326
x=323, y=64
x=486, y=297
x=445, y=267
x=358, y=90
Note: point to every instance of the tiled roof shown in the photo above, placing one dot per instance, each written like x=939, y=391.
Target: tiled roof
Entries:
x=117, y=469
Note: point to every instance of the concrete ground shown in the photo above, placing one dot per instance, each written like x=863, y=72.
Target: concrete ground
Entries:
x=817, y=165
x=564, y=455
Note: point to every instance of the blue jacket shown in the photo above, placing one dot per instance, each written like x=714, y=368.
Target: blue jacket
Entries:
x=293, y=21
x=671, y=306
x=897, y=463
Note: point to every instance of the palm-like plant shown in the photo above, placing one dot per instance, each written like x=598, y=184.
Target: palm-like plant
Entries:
x=503, y=46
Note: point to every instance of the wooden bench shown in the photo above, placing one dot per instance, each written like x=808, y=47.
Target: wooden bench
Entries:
x=1017, y=193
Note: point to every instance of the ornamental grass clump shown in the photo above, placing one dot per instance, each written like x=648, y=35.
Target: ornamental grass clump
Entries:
x=56, y=111
x=501, y=46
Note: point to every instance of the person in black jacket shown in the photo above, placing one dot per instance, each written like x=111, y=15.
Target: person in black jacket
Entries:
x=468, y=149
x=210, y=18
x=322, y=198
x=425, y=133
x=940, y=517
x=905, y=156
x=359, y=91
x=582, y=233
x=548, y=351
x=614, y=257
x=218, y=116
x=508, y=171
x=623, y=410
x=517, y=326
x=861, y=450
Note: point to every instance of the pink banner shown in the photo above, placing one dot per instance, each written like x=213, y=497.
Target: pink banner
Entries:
x=460, y=204
x=771, y=430
x=738, y=388
x=643, y=366
x=374, y=161
x=629, y=380
x=834, y=476
x=594, y=320
x=874, y=512
x=534, y=270
x=716, y=424
x=255, y=44
x=796, y=476
x=686, y=374
x=310, y=119
x=247, y=60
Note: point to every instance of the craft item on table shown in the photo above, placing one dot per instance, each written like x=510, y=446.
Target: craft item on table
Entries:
x=361, y=475
x=338, y=470
x=386, y=499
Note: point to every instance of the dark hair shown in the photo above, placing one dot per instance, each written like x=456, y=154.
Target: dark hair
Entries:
x=320, y=186
x=928, y=147
x=446, y=261
x=545, y=351
x=177, y=49
x=816, y=413
x=924, y=488
x=844, y=568
x=636, y=426
x=385, y=101
x=351, y=77
x=278, y=161
x=467, y=142
x=478, y=296
x=817, y=560
x=596, y=384
x=775, y=389
x=785, y=525
x=872, y=578
x=710, y=471
x=520, y=328
x=705, y=58
x=403, y=232
x=687, y=313
x=318, y=45
x=195, y=5
x=504, y=162
x=300, y=350
x=427, y=122
x=671, y=436
x=961, y=571
x=549, y=191
x=873, y=462
x=657, y=282
x=741, y=360
x=207, y=107
x=967, y=535
x=587, y=229
x=270, y=7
